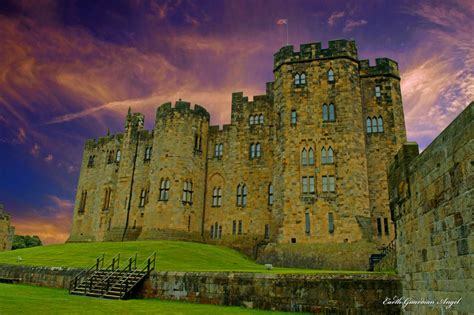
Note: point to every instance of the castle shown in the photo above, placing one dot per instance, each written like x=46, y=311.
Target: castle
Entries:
x=305, y=163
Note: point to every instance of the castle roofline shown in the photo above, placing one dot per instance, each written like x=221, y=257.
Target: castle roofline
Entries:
x=181, y=107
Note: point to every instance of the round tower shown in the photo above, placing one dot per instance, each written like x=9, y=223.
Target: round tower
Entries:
x=177, y=173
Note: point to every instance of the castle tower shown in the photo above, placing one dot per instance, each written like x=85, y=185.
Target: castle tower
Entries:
x=320, y=173
x=178, y=166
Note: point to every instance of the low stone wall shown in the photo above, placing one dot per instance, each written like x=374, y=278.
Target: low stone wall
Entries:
x=53, y=277
x=327, y=294
x=318, y=256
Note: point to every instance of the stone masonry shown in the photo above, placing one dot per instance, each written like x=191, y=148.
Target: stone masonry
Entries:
x=6, y=230
x=305, y=163
x=432, y=198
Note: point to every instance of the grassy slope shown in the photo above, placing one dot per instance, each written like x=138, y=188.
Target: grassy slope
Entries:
x=171, y=256
x=24, y=299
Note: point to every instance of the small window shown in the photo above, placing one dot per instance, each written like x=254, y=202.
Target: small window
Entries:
x=380, y=124
x=302, y=79
x=267, y=231
x=385, y=223
x=377, y=91
x=147, y=154
x=374, y=125
x=234, y=227
x=369, y=125
x=260, y=119
x=304, y=157
x=251, y=120
x=332, y=184
x=297, y=79
x=258, y=152
x=252, y=151
x=330, y=222
x=217, y=197
x=82, y=204
x=310, y=157
x=307, y=229
x=189, y=223
x=218, y=150
x=241, y=195
x=332, y=112
x=142, y=198
x=330, y=76
x=220, y=231
x=330, y=157
x=379, y=227
x=270, y=194
x=325, y=184
x=164, y=189
x=90, y=162
x=212, y=232
x=216, y=230
x=293, y=117
x=325, y=113
x=304, y=184
x=110, y=157
x=311, y=185
x=188, y=192
x=118, y=156
x=240, y=227
x=107, y=193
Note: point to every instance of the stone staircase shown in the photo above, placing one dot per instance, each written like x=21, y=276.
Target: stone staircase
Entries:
x=112, y=282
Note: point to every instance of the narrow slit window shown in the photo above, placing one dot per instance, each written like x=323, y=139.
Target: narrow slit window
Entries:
x=379, y=227
x=297, y=79
x=310, y=156
x=330, y=157
x=325, y=113
x=270, y=194
x=302, y=79
x=374, y=125
x=304, y=157
x=324, y=156
x=260, y=119
x=118, y=156
x=385, y=223
x=293, y=117
x=369, y=125
x=380, y=124
x=311, y=185
x=377, y=91
x=304, y=183
x=332, y=112
x=330, y=75
x=325, y=183
x=330, y=222
x=332, y=184
x=307, y=229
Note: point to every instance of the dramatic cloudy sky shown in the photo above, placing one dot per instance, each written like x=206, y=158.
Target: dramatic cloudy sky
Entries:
x=70, y=69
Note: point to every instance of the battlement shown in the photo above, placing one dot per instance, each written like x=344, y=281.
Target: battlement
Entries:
x=181, y=107
x=311, y=51
x=101, y=141
x=383, y=66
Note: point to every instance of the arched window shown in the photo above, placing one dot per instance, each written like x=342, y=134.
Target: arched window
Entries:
x=380, y=124
x=297, y=79
x=332, y=112
x=330, y=158
x=241, y=195
x=325, y=113
x=303, y=79
x=330, y=75
x=310, y=156
x=270, y=194
x=304, y=157
x=244, y=195
x=258, y=152
x=260, y=120
x=252, y=151
x=164, y=189
x=118, y=156
x=188, y=191
x=251, y=120
x=323, y=156
x=216, y=151
x=374, y=125
x=369, y=125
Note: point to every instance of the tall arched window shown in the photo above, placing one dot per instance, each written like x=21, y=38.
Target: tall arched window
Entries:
x=221, y=150
x=369, y=125
x=323, y=156
x=118, y=156
x=241, y=195
x=293, y=117
x=380, y=124
x=244, y=195
x=251, y=120
x=260, y=120
x=188, y=191
x=332, y=112
x=325, y=113
x=304, y=157
x=303, y=79
x=270, y=194
x=374, y=125
x=310, y=156
x=330, y=75
x=252, y=151
x=297, y=79
x=218, y=150
x=258, y=152
x=330, y=158
x=164, y=189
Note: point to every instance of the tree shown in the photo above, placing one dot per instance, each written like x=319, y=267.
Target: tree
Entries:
x=20, y=241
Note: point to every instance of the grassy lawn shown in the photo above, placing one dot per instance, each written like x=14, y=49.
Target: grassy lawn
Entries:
x=24, y=299
x=171, y=256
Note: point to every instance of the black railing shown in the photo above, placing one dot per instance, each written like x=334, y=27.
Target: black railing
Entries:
x=146, y=267
x=106, y=282
x=79, y=278
x=91, y=281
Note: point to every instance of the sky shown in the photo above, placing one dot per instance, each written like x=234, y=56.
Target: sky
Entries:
x=69, y=70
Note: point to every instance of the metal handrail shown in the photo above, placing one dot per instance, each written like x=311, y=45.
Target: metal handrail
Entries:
x=131, y=261
x=73, y=283
x=148, y=266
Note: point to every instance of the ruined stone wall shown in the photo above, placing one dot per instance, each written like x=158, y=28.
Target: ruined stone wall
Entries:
x=432, y=198
x=6, y=230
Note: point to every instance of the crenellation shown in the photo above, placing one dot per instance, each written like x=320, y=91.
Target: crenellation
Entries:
x=383, y=66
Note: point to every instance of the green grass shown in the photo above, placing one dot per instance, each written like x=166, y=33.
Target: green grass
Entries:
x=171, y=256
x=24, y=299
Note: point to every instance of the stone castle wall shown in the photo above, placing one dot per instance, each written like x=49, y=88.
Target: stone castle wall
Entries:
x=184, y=149
x=6, y=230
x=432, y=198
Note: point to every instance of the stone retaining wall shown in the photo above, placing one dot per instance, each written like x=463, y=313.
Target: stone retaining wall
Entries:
x=326, y=294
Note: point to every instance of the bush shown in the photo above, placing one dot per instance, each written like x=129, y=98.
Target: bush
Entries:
x=25, y=241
